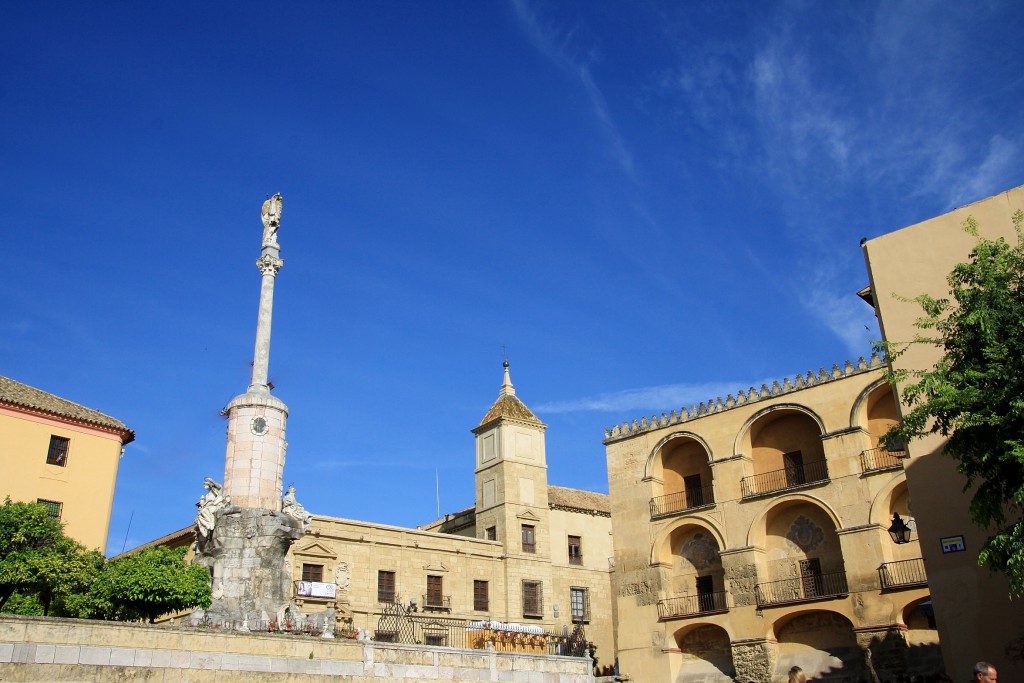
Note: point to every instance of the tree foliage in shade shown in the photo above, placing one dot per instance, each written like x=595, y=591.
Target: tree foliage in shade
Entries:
x=144, y=585
x=974, y=395
x=40, y=566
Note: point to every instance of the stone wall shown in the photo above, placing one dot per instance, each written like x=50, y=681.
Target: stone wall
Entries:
x=37, y=649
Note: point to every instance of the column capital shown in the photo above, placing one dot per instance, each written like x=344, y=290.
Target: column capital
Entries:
x=269, y=265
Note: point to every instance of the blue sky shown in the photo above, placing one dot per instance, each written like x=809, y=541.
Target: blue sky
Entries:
x=649, y=203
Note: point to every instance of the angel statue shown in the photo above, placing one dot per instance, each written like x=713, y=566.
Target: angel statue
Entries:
x=293, y=508
x=271, y=215
x=209, y=505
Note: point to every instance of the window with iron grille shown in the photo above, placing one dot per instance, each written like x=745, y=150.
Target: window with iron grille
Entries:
x=579, y=604
x=480, y=596
x=53, y=507
x=435, y=639
x=435, y=591
x=529, y=539
x=533, y=599
x=58, y=453
x=385, y=586
x=491, y=533
x=575, y=550
x=312, y=572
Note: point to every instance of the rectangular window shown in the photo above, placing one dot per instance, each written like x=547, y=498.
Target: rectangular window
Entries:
x=385, y=586
x=533, y=599
x=58, y=453
x=312, y=572
x=435, y=591
x=438, y=639
x=810, y=577
x=491, y=533
x=579, y=604
x=480, y=596
x=694, y=492
x=575, y=550
x=529, y=539
x=705, y=593
x=53, y=507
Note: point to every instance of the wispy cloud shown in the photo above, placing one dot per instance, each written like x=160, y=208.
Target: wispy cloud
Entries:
x=659, y=398
x=561, y=48
x=1001, y=161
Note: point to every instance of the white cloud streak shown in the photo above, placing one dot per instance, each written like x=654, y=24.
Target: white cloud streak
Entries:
x=660, y=398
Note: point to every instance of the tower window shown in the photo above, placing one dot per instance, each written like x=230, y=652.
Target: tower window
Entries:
x=58, y=452
x=575, y=550
x=491, y=533
x=529, y=539
x=480, y=596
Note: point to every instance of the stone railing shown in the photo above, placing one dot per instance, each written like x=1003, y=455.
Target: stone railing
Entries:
x=627, y=429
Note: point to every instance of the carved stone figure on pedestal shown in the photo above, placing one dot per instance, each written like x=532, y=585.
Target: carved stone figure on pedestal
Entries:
x=209, y=505
x=271, y=215
x=293, y=508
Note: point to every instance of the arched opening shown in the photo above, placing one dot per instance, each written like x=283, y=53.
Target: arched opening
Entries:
x=683, y=463
x=919, y=616
x=881, y=414
x=821, y=643
x=786, y=452
x=803, y=557
x=705, y=655
x=696, y=577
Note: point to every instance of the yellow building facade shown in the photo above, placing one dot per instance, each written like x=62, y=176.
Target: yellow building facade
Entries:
x=751, y=536
x=63, y=455
x=972, y=608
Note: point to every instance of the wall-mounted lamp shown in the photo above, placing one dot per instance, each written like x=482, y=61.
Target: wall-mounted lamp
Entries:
x=900, y=530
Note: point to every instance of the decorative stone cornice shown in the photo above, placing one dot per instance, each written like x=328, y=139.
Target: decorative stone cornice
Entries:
x=628, y=430
x=269, y=265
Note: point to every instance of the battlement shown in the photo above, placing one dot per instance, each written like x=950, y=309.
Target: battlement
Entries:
x=823, y=376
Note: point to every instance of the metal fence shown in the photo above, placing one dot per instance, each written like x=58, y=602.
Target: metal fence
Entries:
x=789, y=477
x=803, y=588
x=902, y=574
x=403, y=624
x=689, y=605
x=881, y=459
x=689, y=499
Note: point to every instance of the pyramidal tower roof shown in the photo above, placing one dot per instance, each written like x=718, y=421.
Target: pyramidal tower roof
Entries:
x=508, y=405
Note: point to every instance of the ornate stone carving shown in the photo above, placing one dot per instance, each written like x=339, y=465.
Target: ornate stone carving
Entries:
x=212, y=502
x=343, y=577
x=271, y=215
x=269, y=265
x=701, y=551
x=294, y=508
x=805, y=534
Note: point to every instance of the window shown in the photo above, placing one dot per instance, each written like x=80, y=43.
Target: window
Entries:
x=694, y=492
x=435, y=591
x=437, y=639
x=53, y=507
x=491, y=533
x=575, y=550
x=794, y=464
x=533, y=599
x=579, y=604
x=312, y=572
x=58, y=453
x=385, y=586
x=480, y=597
x=529, y=539
x=810, y=577
x=706, y=593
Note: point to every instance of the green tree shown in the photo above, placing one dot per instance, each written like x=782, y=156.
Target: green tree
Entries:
x=974, y=395
x=145, y=585
x=38, y=563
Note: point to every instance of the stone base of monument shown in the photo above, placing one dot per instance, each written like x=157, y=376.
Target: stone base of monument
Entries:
x=252, y=584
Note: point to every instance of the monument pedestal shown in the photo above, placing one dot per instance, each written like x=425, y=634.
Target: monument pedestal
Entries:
x=246, y=552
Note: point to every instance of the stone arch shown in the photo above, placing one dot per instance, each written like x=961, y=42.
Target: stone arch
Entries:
x=893, y=497
x=661, y=548
x=822, y=642
x=705, y=654
x=866, y=402
x=742, y=444
x=757, y=533
x=652, y=469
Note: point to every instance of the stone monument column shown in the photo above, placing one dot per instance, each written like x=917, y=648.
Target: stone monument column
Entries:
x=254, y=463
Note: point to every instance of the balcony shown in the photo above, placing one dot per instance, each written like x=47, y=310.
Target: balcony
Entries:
x=437, y=603
x=787, y=478
x=879, y=459
x=692, y=605
x=806, y=588
x=690, y=499
x=902, y=574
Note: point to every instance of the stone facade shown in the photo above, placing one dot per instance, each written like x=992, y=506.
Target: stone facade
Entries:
x=751, y=536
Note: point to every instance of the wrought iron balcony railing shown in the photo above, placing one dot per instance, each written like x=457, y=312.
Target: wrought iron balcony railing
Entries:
x=689, y=499
x=903, y=574
x=779, y=480
x=875, y=459
x=806, y=588
x=692, y=605
x=437, y=603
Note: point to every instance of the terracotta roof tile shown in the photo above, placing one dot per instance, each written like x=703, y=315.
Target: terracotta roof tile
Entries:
x=23, y=396
x=576, y=499
x=511, y=407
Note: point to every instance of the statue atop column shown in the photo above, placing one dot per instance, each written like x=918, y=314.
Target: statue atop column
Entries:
x=271, y=215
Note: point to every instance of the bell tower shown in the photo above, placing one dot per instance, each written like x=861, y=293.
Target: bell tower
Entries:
x=512, y=476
